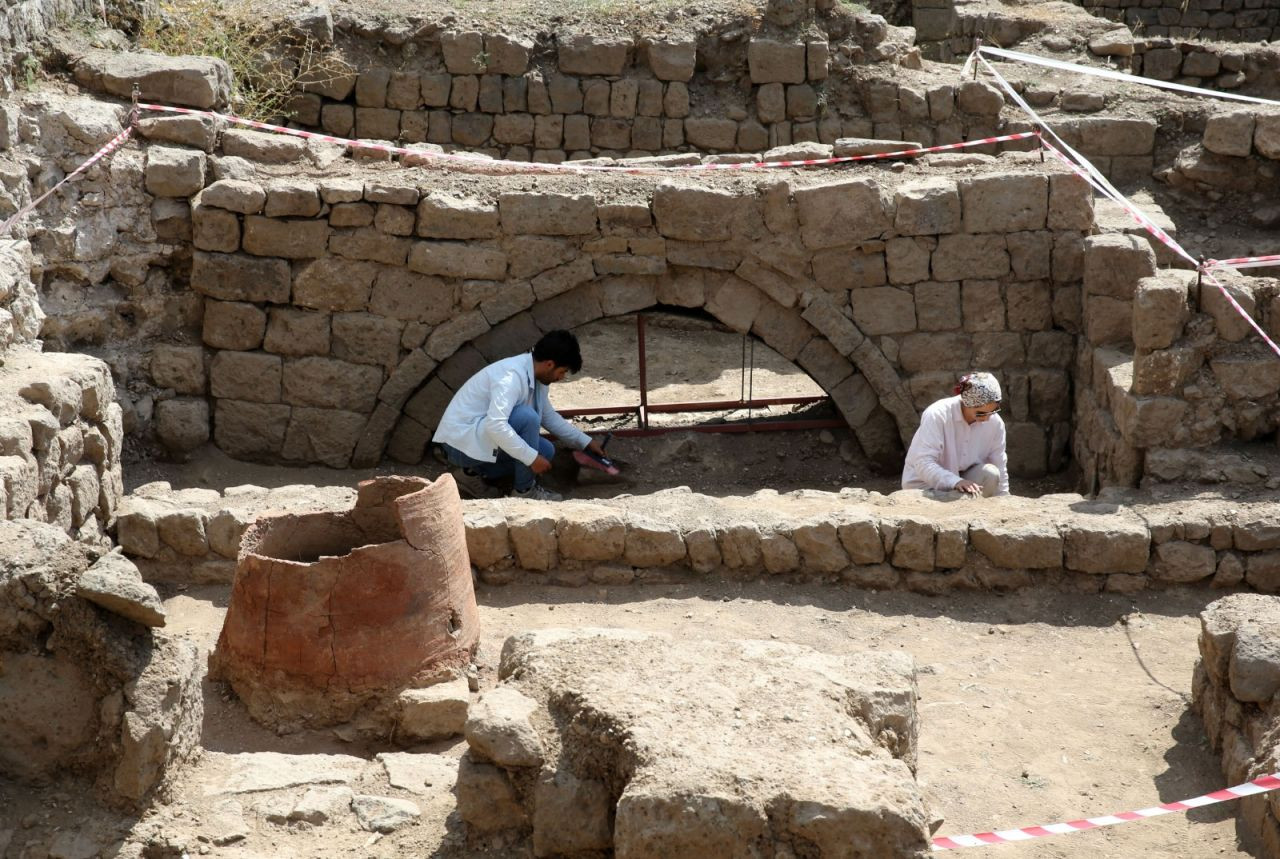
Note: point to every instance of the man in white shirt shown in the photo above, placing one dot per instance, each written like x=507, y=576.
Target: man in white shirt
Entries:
x=961, y=442
x=492, y=427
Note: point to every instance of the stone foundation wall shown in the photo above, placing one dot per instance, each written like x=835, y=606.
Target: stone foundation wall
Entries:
x=910, y=540
x=1210, y=20
x=89, y=687
x=1234, y=690
x=1237, y=154
x=1169, y=367
x=340, y=314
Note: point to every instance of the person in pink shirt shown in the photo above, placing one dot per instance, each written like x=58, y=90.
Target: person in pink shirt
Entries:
x=961, y=442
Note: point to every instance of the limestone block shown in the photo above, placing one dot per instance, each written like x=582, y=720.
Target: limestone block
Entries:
x=962, y=257
x=289, y=239
x=783, y=330
x=1018, y=546
x=297, y=332
x=251, y=376
x=1266, y=134
x=1230, y=325
x=928, y=207
x=327, y=436
x=365, y=338
x=883, y=310
x=442, y=216
x=198, y=132
x=1262, y=571
x=486, y=799
x=771, y=61
x=1070, y=203
x=507, y=54
x=172, y=220
x=693, y=213
x=477, y=260
x=823, y=363
x=369, y=244
x=498, y=729
x=571, y=814
x=717, y=135
x=861, y=539
x=225, y=528
x=671, y=60
x=407, y=296
x=979, y=97
x=136, y=529
x=1112, y=43
x=200, y=82
x=250, y=430
x=383, y=814
x=332, y=384
x=563, y=278
x=114, y=583
x=589, y=533
x=1108, y=321
x=178, y=367
x=233, y=325
x=1230, y=133
x=85, y=492
x=215, y=229
x=1113, y=265
x=1106, y=544
x=650, y=543
x=592, y=54
x=735, y=303
x=913, y=547
x=1004, y=202
x=287, y=197
x=182, y=425
x=842, y=212
x=533, y=539
x=235, y=277
x=778, y=553
x=1181, y=561
x=183, y=531
x=1255, y=663
x=435, y=712
x=820, y=547
x=907, y=259
x=1160, y=310
x=262, y=147
x=234, y=195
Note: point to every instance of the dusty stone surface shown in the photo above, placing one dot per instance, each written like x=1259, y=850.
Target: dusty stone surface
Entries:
x=750, y=728
x=114, y=583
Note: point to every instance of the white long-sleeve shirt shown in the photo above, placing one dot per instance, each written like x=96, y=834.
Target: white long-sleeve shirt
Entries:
x=945, y=446
x=476, y=421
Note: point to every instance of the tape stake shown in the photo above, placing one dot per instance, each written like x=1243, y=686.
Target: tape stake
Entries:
x=1027, y=833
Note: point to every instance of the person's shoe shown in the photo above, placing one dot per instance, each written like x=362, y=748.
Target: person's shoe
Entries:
x=471, y=484
x=537, y=493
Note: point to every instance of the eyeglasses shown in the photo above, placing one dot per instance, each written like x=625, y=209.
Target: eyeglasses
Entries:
x=987, y=413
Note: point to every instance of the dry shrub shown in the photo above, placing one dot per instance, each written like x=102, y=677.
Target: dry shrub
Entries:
x=266, y=58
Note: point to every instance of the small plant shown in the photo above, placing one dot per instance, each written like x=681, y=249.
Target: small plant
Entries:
x=267, y=62
x=30, y=71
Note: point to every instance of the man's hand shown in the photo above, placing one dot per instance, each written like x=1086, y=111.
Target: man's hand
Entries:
x=541, y=465
x=968, y=487
x=596, y=447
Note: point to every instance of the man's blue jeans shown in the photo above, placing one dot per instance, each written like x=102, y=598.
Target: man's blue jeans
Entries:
x=527, y=424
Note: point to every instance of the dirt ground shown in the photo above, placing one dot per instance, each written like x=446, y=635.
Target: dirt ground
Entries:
x=1034, y=708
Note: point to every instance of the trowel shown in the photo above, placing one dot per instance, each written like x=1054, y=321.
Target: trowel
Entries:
x=600, y=463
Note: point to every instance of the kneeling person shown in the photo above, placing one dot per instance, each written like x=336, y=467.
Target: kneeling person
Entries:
x=491, y=429
x=961, y=442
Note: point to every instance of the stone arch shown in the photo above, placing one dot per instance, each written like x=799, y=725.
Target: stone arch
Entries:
x=806, y=328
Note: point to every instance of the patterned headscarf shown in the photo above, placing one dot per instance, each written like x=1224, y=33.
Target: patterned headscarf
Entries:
x=978, y=389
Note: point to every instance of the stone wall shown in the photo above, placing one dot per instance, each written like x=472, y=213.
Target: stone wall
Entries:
x=23, y=24
x=1237, y=154
x=20, y=313
x=341, y=313
x=1234, y=690
x=1169, y=367
x=1210, y=20
x=1123, y=541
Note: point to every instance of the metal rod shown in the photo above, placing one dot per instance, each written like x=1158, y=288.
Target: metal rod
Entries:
x=765, y=426
x=644, y=373
x=699, y=406
x=751, y=379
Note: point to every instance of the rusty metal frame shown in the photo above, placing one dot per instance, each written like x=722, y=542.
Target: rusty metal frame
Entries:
x=745, y=400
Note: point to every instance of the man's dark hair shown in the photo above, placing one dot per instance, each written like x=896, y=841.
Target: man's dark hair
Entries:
x=561, y=347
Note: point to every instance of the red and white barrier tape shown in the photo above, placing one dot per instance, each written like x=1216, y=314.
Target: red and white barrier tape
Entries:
x=112, y=145
x=1244, y=262
x=1111, y=74
x=1085, y=169
x=571, y=166
x=1264, y=784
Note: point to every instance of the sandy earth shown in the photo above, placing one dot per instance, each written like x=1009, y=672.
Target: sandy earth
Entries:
x=1034, y=708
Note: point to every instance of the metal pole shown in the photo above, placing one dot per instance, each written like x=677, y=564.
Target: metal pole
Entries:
x=644, y=374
